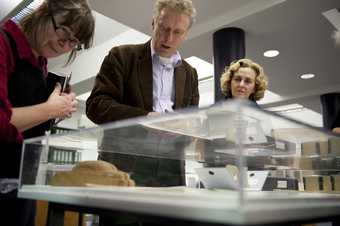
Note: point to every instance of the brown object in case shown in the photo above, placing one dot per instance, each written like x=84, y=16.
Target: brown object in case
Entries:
x=92, y=172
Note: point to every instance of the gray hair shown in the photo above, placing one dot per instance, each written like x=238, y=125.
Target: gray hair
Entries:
x=182, y=6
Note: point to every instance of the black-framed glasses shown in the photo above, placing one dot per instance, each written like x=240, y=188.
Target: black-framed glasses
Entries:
x=65, y=34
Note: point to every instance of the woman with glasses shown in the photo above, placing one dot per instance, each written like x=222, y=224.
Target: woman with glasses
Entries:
x=26, y=101
x=244, y=79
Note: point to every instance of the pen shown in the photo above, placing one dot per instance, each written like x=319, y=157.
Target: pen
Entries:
x=67, y=79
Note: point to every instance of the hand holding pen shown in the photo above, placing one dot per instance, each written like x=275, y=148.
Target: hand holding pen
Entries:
x=63, y=100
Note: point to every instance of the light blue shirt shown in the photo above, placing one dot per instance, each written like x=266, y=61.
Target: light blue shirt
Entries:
x=163, y=81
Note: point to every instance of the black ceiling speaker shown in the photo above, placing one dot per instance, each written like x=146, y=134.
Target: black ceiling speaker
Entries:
x=330, y=110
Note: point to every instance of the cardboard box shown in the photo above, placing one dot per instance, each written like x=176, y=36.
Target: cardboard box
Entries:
x=313, y=183
x=327, y=184
x=305, y=163
x=335, y=179
x=334, y=145
x=314, y=148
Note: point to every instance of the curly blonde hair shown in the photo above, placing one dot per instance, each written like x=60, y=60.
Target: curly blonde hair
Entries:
x=261, y=80
x=185, y=7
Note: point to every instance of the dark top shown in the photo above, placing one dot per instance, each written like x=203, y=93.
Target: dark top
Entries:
x=23, y=84
x=8, y=132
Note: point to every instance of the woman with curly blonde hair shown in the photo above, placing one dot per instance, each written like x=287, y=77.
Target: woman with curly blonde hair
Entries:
x=244, y=79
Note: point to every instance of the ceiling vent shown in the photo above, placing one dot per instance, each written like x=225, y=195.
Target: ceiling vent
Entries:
x=333, y=16
x=16, y=11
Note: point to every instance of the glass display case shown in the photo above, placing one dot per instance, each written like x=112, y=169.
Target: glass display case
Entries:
x=230, y=163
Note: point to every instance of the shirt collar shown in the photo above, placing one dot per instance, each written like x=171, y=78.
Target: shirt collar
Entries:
x=176, y=59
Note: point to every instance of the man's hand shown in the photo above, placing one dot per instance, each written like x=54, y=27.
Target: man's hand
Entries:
x=336, y=130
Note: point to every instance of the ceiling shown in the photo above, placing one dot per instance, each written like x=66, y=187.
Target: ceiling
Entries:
x=296, y=28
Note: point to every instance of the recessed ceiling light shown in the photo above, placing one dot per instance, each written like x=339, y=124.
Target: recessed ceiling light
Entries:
x=307, y=76
x=271, y=53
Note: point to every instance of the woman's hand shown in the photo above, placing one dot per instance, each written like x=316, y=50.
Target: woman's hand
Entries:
x=61, y=105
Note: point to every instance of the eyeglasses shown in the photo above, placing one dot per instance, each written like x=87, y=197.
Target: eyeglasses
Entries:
x=66, y=34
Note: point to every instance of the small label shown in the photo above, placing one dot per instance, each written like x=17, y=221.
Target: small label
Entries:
x=280, y=145
x=281, y=184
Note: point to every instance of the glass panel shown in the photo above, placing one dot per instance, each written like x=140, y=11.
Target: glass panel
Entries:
x=229, y=156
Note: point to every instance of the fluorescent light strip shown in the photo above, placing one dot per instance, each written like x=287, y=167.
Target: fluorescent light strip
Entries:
x=269, y=97
x=204, y=69
x=27, y=10
x=286, y=108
